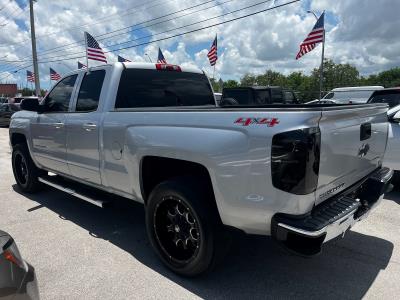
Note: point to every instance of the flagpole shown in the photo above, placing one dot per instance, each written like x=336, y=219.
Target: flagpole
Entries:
x=214, y=71
x=321, y=69
x=86, y=46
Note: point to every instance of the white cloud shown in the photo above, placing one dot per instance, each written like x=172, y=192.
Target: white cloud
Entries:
x=361, y=33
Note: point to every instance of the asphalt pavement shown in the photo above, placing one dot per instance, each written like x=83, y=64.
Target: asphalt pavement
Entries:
x=81, y=251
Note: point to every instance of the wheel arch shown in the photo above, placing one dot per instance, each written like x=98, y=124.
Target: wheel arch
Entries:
x=156, y=169
x=18, y=138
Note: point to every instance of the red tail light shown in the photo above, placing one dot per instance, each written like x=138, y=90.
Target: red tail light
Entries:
x=167, y=67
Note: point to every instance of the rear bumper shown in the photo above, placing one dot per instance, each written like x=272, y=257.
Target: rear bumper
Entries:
x=305, y=234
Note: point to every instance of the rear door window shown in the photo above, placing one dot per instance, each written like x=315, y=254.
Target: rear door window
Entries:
x=241, y=96
x=392, y=98
x=289, y=97
x=89, y=92
x=277, y=96
x=155, y=88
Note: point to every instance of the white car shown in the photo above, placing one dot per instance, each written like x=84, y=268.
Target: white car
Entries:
x=392, y=156
x=359, y=94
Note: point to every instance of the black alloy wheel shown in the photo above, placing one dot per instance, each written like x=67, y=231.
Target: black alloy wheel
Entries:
x=176, y=230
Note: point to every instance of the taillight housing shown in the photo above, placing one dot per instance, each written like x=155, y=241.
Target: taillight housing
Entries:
x=11, y=253
x=168, y=67
x=295, y=160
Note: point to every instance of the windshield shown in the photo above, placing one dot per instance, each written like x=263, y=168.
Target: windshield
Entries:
x=345, y=96
x=392, y=98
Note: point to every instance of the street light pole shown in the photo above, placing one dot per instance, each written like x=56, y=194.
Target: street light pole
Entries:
x=321, y=69
x=34, y=53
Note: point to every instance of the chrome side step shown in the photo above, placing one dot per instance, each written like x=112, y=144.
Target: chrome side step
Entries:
x=75, y=189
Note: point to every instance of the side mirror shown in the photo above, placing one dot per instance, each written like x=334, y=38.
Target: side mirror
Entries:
x=31, y=104
x=396, y=117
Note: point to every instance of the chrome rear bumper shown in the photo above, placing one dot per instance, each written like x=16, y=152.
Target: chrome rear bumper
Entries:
x=305, y=234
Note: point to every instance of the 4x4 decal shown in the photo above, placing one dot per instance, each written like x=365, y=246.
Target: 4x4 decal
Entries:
x=270, y=122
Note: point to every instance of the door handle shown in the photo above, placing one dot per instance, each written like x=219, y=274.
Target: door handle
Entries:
x=58, y=125
x=89, y=126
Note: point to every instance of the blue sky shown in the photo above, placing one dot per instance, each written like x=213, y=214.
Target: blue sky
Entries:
x=252, y=45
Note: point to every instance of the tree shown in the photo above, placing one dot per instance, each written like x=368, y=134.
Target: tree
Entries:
x=231, y=84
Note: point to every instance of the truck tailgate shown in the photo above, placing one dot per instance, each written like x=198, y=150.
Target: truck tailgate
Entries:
x=353, y=143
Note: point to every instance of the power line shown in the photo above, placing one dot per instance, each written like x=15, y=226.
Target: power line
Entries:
x=9, y=2
x=189, y=31
x=180, y=27
x=137, y=24
x=93, y=23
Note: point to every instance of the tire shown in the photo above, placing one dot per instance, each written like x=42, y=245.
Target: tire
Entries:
x=25, y=171
x=181, y=213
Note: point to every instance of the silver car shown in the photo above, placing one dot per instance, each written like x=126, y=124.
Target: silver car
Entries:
x=17, y=277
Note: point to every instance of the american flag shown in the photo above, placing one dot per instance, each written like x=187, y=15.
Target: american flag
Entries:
x=161, y=59
x=213, y=54
x=315, y=37
x=30, y=76
x=121, y=59
x=94, y=50
x=54, y=75
x=81, y=65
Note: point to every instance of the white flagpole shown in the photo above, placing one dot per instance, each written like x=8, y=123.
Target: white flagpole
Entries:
x=86, y=46
x=214, y=71
x=321, y=71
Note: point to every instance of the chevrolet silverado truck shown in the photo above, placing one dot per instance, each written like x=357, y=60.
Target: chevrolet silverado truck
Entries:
x=152, y=133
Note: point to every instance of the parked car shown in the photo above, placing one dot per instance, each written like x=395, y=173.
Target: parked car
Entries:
x=257, y=96
x=153, y=133
x=6, y=111
x=17, y=277
x=16, y=101
x=389, y=96
x=352, y=95
x=3, y=100
x=392, y=155
x=322, y=101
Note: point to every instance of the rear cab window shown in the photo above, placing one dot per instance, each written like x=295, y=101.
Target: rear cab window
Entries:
x=155, y=88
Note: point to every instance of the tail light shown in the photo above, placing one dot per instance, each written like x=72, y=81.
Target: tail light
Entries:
x=11, y=253
x=167, y=67
x=295, y=160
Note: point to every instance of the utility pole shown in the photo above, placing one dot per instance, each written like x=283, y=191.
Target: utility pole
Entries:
x=34, y=54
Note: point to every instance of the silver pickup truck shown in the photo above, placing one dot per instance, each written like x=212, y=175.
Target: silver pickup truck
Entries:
x=152, y=133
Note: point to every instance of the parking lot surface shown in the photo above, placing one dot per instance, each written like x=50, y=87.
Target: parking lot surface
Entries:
x=81, y=251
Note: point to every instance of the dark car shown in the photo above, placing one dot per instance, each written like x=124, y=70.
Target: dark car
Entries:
x=390, y=96
x=257, y=96
x=6, y=111
x=17, y=278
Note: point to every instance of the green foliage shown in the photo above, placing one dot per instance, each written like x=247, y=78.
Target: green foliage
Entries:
x=30, y=92
x=307, y=86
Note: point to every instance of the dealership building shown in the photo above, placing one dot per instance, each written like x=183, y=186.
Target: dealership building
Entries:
x=8, y=89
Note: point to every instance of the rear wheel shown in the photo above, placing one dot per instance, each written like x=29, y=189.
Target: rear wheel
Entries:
x=25, y=171
x=184, y=227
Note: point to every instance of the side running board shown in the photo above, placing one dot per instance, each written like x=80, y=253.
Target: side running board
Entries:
x=78, y=190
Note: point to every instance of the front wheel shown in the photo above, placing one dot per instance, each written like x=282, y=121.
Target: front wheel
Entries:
x=184, y=227
x=25, y=171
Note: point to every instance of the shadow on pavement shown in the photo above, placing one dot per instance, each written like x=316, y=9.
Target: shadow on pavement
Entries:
x=394, y=196
x=254, y=268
